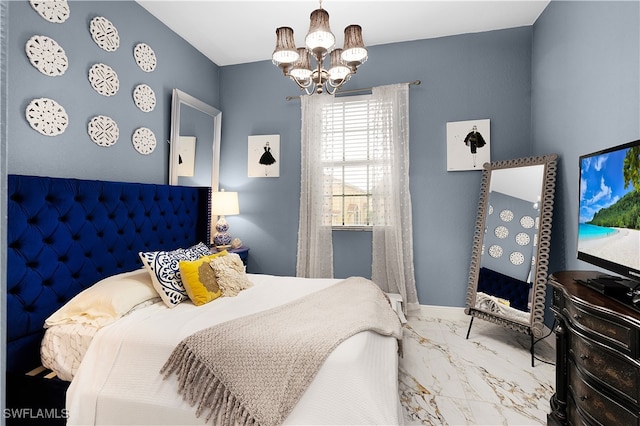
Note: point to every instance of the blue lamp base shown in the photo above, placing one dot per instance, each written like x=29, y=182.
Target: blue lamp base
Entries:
x=222, y=238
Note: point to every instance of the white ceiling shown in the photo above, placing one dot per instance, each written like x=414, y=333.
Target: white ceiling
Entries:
x=235, y=32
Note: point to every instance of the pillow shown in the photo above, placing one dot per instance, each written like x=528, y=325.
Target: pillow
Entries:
x=106, y=301
x=199, y=279
x=230, y=274
x=164, y=269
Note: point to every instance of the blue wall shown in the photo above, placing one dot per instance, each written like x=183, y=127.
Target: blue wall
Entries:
x=586, y=97
x=465, y=77
x=73, y=154
x=569, y=85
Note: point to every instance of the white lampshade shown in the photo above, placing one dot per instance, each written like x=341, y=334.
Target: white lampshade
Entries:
x=354, y=51
x=285, y=51
x=320, y=35
x=224, y=203
x=338, y=71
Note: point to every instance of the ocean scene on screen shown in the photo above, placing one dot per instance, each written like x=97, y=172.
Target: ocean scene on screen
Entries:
x=610, y=206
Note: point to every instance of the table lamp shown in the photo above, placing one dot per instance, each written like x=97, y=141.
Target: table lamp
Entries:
x=223, y=203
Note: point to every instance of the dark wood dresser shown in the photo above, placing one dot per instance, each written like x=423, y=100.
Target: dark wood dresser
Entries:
x=598, y=355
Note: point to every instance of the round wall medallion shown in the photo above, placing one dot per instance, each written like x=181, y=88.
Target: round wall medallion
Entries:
x=56, y=11
x=144, y=97
x=144, y=141
x=46, y=55
x=104, y=79
x=104, y=33
x=103, y=130
x=495, y=251
x=47, y=116
x=145, y=57
x=527, y=222
x=523, y=239
x=506, y=215
x=516, y=258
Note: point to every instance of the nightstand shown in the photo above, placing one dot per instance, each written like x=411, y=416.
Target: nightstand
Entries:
x=242, y=251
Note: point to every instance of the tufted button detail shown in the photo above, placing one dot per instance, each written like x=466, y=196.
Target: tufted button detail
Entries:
x=32, y=264
x=46, y=282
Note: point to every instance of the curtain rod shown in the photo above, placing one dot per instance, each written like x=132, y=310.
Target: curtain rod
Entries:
x=344, y=92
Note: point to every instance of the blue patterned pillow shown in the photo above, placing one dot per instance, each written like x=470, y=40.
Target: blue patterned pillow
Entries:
x=163, y=266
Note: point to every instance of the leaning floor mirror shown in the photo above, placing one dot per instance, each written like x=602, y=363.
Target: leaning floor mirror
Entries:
x=509, y=260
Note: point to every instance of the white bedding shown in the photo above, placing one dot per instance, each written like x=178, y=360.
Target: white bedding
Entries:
x=119, y=382
x=63, y=347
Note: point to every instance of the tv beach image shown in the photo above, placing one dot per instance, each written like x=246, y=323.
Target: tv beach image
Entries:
x=609, y=225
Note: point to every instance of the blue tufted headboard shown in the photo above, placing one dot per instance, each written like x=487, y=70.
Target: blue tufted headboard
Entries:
x=66, y=234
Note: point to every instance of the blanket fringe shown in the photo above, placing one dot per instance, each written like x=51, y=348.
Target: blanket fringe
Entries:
x=198, y=384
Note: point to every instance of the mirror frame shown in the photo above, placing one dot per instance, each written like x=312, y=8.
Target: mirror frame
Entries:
x=538, y=298
x=178, y=99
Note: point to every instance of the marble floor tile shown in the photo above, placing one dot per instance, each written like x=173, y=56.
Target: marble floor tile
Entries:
x=446, y=379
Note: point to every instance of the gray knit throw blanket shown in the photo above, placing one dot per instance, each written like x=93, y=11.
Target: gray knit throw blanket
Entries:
x=254, y=369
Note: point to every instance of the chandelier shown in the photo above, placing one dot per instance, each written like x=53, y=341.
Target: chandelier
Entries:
x=296, y=62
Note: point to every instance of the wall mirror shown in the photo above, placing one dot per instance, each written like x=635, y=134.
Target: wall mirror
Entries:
x=509, y=260
x=194, y=156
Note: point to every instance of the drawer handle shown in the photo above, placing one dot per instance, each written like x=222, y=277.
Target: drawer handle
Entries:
x=584, y=397
x=584, y=357
x=577, y=316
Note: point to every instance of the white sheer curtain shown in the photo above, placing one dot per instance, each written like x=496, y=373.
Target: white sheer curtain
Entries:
x=315, y=245
x=392, y=267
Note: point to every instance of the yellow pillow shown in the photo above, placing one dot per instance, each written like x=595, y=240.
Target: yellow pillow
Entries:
x=199, y=279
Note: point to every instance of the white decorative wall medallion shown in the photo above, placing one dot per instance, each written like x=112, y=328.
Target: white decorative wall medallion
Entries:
x=46, y=55
x=103, y=130
x=104, y=79
x=144, y=97
x=56, y=11
x=145, y=57
x=47, y=116
x=144, y=141
x=104, y=33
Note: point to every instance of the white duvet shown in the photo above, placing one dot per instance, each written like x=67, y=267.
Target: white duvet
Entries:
x=118, y=381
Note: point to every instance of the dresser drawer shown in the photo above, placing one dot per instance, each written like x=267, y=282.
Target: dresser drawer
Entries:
x=616, y=332
x=597, y=406
x=619, y=373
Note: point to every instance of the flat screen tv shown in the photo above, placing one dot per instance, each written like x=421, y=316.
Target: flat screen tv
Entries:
x=609, y=214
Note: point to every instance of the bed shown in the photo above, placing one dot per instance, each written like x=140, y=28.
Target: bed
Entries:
x=66, y=237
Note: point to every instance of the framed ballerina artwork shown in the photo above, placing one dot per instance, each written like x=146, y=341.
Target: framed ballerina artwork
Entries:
x=264, y=156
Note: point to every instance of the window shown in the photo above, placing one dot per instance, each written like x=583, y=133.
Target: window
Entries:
x=348, y=160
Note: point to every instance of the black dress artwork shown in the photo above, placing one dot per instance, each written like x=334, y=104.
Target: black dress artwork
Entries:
x=267, y=158
x=474, y=140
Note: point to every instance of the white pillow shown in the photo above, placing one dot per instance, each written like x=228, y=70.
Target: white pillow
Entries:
x=106, y=301
x=164, y=270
